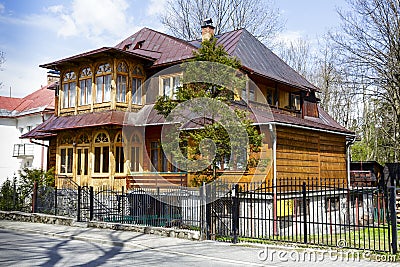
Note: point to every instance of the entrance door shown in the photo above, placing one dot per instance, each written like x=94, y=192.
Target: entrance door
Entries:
x=82, y=165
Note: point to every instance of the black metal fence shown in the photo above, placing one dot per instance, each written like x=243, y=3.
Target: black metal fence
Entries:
x=313, y=211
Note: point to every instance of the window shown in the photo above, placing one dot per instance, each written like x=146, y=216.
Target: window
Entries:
x=284, y=99
x=271, y=96
x=122, y=78
x=294, y=101
x=137, y=81
x=103, y=83
x=67, y=156
x=170, y=85
x=101, y=153
x=159, y=160
x=136, y=91
x=69, y=90
x=135, y=153
x=119, y=154
x=82, y=154
x=85, y=83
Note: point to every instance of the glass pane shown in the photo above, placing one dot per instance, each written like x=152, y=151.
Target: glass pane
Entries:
x=63, y=161
x=134, y=91
x=121, y=88
x=65, y=96
x=99, y=91
x=70, y=157
x=72, y=88
x=97, y=157
x=79, y=163
x=89, y=91
x=166, y=87
x=139, y=92
x=107, y=88
x=86, y=161
x=82, y=100
x=164, y=162
x=106, y=151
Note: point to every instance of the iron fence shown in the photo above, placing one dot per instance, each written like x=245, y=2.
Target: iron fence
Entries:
x=323, y=212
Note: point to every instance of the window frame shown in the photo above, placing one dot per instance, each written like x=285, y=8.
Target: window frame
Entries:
x=136, y=147
x=122, y=88
x=68, y=89
x=172, y=84
x=103, y=71
x=86, y=86
x=104, y=157
x=137, y=80
x=119, y=156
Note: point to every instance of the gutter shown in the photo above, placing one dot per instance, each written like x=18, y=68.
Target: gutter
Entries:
x=305, y=128
x=37, y=143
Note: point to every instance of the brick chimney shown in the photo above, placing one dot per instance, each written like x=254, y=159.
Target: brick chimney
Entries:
x=207, y=30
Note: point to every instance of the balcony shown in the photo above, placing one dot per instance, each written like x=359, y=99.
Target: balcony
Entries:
x=23, y=150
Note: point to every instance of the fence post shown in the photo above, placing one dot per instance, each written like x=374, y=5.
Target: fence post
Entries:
x=55, y=200
x=235, y=213
x=34, y=197
x=393, y=219
x=305, y=211
x=78, y=213
x=208, y=211
x=203, y=203
x=91, y=198
x=122, y=205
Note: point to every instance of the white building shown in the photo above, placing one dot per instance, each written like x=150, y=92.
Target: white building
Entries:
x=19, y=116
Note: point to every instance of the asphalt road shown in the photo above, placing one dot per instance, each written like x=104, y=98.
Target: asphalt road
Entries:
x=30, y=244
x=24, y=249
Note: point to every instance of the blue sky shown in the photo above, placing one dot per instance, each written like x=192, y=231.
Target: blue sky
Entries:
x=42, y=31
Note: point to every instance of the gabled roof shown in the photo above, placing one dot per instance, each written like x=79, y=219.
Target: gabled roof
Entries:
x=38, y=101
x=256, y=57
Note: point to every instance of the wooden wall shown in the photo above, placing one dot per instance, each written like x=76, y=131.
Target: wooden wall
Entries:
x=304, y=153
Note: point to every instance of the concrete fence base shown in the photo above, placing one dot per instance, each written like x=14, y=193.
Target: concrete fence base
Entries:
x=60, y=220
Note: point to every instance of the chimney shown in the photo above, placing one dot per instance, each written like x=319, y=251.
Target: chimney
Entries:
x=207, y=30
x=53, y=76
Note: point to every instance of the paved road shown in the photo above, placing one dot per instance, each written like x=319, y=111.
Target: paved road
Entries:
x=30, y=244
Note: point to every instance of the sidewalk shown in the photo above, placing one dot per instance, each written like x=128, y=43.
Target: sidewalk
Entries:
x=210, y=251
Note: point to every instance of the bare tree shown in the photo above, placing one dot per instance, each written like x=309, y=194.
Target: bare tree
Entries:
x=183, y=18
x=368, y=45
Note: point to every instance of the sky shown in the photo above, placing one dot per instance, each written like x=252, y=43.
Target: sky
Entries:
x=42, y=31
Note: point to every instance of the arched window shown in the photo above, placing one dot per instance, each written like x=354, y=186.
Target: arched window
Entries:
x=122, y=79
x=119, y=154
x=85, y=83
x=137, y=81
x=82, y=154
x=66, y=154
x=103, y=83
x=69, y=90
x=101, y=153
x=136, y=151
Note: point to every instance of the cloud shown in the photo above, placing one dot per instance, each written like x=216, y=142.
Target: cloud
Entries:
x=289, y=36
x=156, y=7
x=1, y=8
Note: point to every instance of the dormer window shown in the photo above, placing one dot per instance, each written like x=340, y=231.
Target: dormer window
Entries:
x=103, y=83
x=69, y=90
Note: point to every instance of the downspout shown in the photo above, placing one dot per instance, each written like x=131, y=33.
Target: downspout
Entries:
x=348, y=145
x=42, y=156
x=274, y=183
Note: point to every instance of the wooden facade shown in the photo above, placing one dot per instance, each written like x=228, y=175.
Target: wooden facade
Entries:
x=88, y=143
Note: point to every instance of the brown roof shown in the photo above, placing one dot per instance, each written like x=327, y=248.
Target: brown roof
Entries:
x=110, y=117
x=167, y=49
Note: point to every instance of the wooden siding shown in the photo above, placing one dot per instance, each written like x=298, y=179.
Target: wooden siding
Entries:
x=304, y=153
x=52, y=151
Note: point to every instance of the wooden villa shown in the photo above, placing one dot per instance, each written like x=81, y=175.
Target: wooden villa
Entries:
x=98, y=87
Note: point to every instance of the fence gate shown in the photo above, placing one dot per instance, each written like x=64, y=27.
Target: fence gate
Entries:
x=222, y=213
